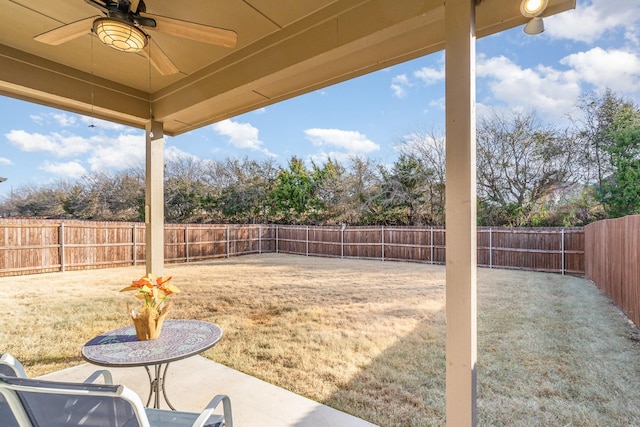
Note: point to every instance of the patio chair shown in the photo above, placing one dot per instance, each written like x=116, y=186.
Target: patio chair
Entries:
x=11, y=367
x=34, y=402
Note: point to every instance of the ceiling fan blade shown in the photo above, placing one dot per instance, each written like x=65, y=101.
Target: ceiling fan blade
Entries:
x=159, y=59
x=67, y=32
x=193, y=31
x=98, y=4
x=134, y=6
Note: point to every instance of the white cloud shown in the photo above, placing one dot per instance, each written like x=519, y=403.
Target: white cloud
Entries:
x=69, y=169
x=399, y=85
x=56, y=144
x=544, y=89
x=614, y=69
x=5, y=161
x=58, y=118
x=589, y=22
x=241, y=135
x=174, y=153
x=429, y=75
x=64, y=120
x=124, y=151
x=338, y=156
x=351, y=141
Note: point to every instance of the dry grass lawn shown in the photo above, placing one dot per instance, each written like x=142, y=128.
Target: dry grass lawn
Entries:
x=366, y=337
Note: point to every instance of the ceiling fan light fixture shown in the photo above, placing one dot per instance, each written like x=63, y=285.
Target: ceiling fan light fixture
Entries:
x=119, y=35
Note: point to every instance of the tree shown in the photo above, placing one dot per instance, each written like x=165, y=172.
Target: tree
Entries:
x=184, y=190
x=400, y=196
x=293, y=197
x=521, y=164
x=244, y=186
x=620, y=192
x=429, y=151
x=596, y=126
x=330, y=191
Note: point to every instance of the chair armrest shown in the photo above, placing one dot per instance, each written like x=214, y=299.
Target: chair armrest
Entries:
x=13, y=364
x=208, y=411
x=108, y=379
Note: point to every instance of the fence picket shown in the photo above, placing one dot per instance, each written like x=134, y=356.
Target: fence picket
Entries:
x=29, y=248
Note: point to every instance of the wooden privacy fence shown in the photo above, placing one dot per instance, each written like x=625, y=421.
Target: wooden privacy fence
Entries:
x=612, y=260
x=36, y=246
x=39, y=246
x=559, y=250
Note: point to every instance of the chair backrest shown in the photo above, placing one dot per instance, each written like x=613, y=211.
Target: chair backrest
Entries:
x=41, y=403
x=11, y=367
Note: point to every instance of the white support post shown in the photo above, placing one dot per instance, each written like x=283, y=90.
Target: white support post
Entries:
x=461, y=246
x=154, y=198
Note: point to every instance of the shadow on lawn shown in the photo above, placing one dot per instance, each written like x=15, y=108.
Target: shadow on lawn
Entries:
x=403, y=386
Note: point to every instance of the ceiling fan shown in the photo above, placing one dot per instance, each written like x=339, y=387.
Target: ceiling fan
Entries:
x=125, y=29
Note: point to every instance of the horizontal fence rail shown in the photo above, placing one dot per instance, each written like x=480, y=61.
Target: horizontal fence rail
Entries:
x=36, y=246
x=558, y=250
x=40, y=246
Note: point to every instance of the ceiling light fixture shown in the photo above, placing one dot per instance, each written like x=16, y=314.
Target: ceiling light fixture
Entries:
x=534, y=26
x=533, y=9
x=119, y=35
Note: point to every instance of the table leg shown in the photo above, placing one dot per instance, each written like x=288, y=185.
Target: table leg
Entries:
x=156, y=384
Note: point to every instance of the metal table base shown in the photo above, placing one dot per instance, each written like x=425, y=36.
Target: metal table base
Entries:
x=156, y=384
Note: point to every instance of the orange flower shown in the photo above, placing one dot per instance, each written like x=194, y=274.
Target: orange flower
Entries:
x=153, y=289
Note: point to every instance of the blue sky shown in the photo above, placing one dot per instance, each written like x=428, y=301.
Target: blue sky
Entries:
x=594, y=47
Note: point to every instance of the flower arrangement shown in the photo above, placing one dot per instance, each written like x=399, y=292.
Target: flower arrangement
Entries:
x=154, y=290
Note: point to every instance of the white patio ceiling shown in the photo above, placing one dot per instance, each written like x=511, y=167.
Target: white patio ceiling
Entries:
x=285, y=48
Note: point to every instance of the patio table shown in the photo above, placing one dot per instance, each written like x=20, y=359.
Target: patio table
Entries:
x=178, y=340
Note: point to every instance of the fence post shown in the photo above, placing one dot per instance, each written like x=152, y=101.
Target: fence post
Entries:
x=342, y=240
x=134, y=242
x=186, y=243
x=562, y=258
x=62, y=256
x=307, y=249
x=228, y=238
x=277, y=247
x=259, y=238
x=431, y=243
x=490, y=247
x=382, y=231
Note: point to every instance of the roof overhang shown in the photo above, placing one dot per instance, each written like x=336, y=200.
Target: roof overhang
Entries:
x=285, y=49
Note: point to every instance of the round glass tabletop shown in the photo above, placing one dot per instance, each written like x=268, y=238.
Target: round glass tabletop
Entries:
x=179, y=339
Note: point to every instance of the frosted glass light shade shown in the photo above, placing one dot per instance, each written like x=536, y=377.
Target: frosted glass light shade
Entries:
x=119, y=35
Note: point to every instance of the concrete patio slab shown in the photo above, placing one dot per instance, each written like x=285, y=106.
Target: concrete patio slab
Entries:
x=192, y=382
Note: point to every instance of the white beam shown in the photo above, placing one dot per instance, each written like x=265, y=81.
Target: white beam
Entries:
x=154, y=198
x=461, y=245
